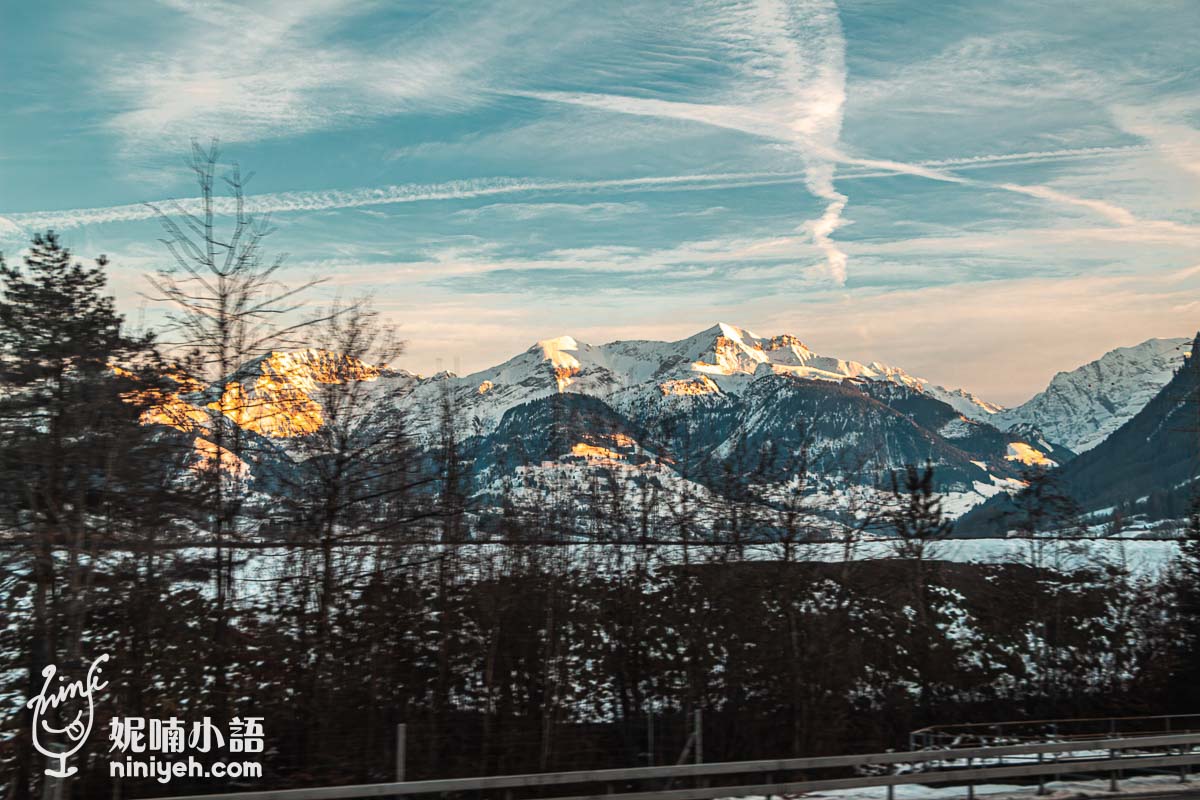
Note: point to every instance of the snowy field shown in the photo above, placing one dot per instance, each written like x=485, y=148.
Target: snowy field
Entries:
x=1055, y=790
x=1138, y=555
x=1143, y=558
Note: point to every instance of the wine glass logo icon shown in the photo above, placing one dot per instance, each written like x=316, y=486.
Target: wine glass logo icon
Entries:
x=62, y=699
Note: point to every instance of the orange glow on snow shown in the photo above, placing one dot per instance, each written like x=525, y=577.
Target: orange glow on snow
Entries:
x=565, y=365
x=786, y=340
x=167, y=407
x=206, y=451
x=279, y=402
x=1030, y=456
x=690, y=386
x=172, y=410
x=591, y=451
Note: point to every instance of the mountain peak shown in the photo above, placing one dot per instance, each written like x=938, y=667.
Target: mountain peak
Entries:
x=558, y=352
x=554, y=348
x=734, y=332
x=1081, y=407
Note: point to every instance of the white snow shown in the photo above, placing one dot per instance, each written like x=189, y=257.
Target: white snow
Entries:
x=633, y=372
x=1056, y=790
x=1082, y=407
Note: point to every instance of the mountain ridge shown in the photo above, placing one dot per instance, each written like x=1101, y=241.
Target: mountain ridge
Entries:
x=721, y=359
x=635, y=402
x=705, y=396
x=1149, y=465
x=1081, y=407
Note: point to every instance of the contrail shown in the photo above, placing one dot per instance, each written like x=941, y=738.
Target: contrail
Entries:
x=806, y=47
x=1005, y=159
x=14, y=225
x=282, y=202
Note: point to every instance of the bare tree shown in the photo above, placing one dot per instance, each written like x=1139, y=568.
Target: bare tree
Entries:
x=227, y=306
x=348, y=482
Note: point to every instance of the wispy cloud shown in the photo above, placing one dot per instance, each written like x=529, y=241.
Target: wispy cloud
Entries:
x=1014, y=67
x=283, y=202
x=797, y=96
x=808, y=42
x=993, y=160
x=747, y=256
x=1110, y=211
x=1165, y=124
x=1003, y=339
x=821, y=157
x=251, y=71
x=793, y=90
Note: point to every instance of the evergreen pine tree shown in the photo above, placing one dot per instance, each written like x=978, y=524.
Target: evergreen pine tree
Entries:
x=1185, y=677
x=69, y=437
x=918, y=523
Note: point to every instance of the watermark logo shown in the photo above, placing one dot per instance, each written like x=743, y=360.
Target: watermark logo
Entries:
x=63, y=715
x=62, y=700
x=159, y=748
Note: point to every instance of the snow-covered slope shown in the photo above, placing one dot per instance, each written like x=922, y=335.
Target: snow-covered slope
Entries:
x=691, y=407
x=1146, y=468
x=1082, y=407
x=688, y=405
x=722, y=360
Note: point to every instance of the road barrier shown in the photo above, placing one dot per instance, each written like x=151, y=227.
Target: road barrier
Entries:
x=992, y=734
x=963, y=766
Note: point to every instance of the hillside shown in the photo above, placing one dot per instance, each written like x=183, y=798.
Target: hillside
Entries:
x=1149, y=464
x=1080, y=408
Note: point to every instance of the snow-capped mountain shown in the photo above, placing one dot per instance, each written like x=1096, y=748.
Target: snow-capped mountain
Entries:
x=721, y=361
x=1082, y=407
x=1147, y=466
x=684, y=413
x=648, y=407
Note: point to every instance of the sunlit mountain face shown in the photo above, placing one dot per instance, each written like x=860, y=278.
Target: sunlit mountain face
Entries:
x=277, y=396
x=677, y=410
x=274, y=395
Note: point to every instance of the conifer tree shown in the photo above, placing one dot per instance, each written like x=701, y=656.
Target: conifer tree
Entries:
x=1185, y=678
x=70, y=444
x=919, y=524
x=1048, y=526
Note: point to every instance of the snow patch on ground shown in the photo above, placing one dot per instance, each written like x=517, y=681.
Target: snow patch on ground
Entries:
x=1056, y=790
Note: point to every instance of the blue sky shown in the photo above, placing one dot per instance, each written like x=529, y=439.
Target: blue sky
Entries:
x=983, y=193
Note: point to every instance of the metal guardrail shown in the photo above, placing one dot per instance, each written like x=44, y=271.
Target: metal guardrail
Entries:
x=981, y=734
x=1121, y=755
